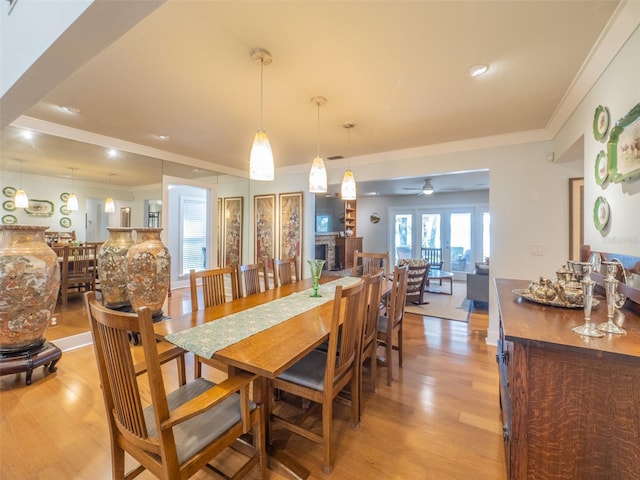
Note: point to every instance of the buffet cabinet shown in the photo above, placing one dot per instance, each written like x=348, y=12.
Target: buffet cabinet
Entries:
x=346, y=246
x=570, y=405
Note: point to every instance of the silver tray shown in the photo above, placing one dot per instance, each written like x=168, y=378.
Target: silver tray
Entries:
x=526, y=294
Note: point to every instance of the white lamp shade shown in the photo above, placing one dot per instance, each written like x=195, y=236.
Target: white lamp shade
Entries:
x=317, y=176
x=109, y=205
x=348, y=190
x=261, y=159
x=21, y=200
x=72, y=202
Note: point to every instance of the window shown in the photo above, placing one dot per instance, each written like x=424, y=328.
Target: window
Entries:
x=194, y=234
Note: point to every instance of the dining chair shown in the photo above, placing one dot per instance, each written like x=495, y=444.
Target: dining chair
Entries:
x=320, y=376
x=77, y=271
x=270, y=269
x=249, y=279
x=178, y=433
x=391, y=323
x=365, y=263
x=369, y=343
x=287, y=270
x=215, y=285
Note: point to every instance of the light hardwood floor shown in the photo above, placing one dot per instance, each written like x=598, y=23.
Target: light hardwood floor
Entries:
x=439, y=420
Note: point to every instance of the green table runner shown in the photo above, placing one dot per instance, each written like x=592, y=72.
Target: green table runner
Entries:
x=205, y=340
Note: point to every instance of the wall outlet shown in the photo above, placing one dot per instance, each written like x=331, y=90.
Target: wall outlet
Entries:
x=536, y=250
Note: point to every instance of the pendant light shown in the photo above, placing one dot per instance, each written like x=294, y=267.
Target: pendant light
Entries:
x=348, y=188
x=72, y=201
x=261, y=158
x=318, y=173
x=21, y=200
x=109, y=205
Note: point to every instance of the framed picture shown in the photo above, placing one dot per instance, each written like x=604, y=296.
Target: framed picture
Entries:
x=232, y=231
x=623, y=149
x=264, y=207
x=219, y=231
x=576, y=210
x=290, y=224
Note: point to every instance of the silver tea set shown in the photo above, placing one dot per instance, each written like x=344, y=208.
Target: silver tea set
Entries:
x=573, y=286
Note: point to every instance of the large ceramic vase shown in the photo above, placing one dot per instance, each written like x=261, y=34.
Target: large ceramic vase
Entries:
x=148, y=271
x=29, y=286
x=112, y=267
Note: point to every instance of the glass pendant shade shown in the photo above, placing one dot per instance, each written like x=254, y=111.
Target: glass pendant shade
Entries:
x=109, y=205
x=21, y=200
x=348, y=190
x=261, y=158
x=317, y=176
x=72, y=202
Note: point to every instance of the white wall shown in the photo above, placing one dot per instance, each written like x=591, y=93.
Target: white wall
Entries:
x=619, y=90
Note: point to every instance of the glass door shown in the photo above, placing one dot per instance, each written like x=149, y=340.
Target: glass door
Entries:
x=402, y=236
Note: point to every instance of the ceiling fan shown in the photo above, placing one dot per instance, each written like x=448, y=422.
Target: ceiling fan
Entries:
x=426, y=189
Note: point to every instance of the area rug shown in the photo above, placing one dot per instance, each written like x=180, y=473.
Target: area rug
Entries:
x=449, y=307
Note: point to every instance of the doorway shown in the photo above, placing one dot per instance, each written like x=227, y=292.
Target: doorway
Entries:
x=461, y=232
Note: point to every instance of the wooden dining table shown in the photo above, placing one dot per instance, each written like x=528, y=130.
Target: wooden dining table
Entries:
x=269, y=352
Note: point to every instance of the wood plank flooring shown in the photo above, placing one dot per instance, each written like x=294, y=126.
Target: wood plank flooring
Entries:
x=438, y=420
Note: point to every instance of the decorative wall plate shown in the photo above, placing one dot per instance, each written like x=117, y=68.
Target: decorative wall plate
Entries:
x=623, y=149
x=601, y=213
x=9, y=220
x=9, y=192
x=40, y=208
x=600, y=122
x=64, y=210
x=601, y=168
x=375, y=217
x=9, y=205
x=64, y=196
x=65, y=222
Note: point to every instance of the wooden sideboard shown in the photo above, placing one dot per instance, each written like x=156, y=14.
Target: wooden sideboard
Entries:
x=346, y=247
x=570, y=404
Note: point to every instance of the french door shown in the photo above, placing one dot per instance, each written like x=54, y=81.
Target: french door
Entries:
x=461, y=232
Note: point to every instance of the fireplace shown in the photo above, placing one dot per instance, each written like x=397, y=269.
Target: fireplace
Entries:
x=321, y=253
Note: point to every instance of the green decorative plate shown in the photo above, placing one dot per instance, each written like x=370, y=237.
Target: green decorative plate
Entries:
x=601, y=168
x=64, y=210
x=65, y=222
x=9, y=205
x=9, y=192
x=623, y=149
x=601, y=122
x=64, y=196
x=601, y=213
x=9, y=220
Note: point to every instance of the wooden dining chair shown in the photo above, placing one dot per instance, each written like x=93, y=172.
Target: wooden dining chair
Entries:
x=270, y=269
x=369, y=343
x=366, y=263
x=178, y=433
x=77, y=271
x=320, y=376
x=287, y=270
x=249, y=279
x=390, y=325
x=218, y=285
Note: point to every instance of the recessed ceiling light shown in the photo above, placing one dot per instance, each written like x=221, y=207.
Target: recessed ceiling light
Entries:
x=26, y=134
x=477, y=70
x=112, y=152
x=69, y=109
x=164, y=138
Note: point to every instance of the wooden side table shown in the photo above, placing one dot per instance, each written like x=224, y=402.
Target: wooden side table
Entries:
x=46, y=354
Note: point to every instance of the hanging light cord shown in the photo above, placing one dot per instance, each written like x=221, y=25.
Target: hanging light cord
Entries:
x=261, y=88
x=318, y=130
